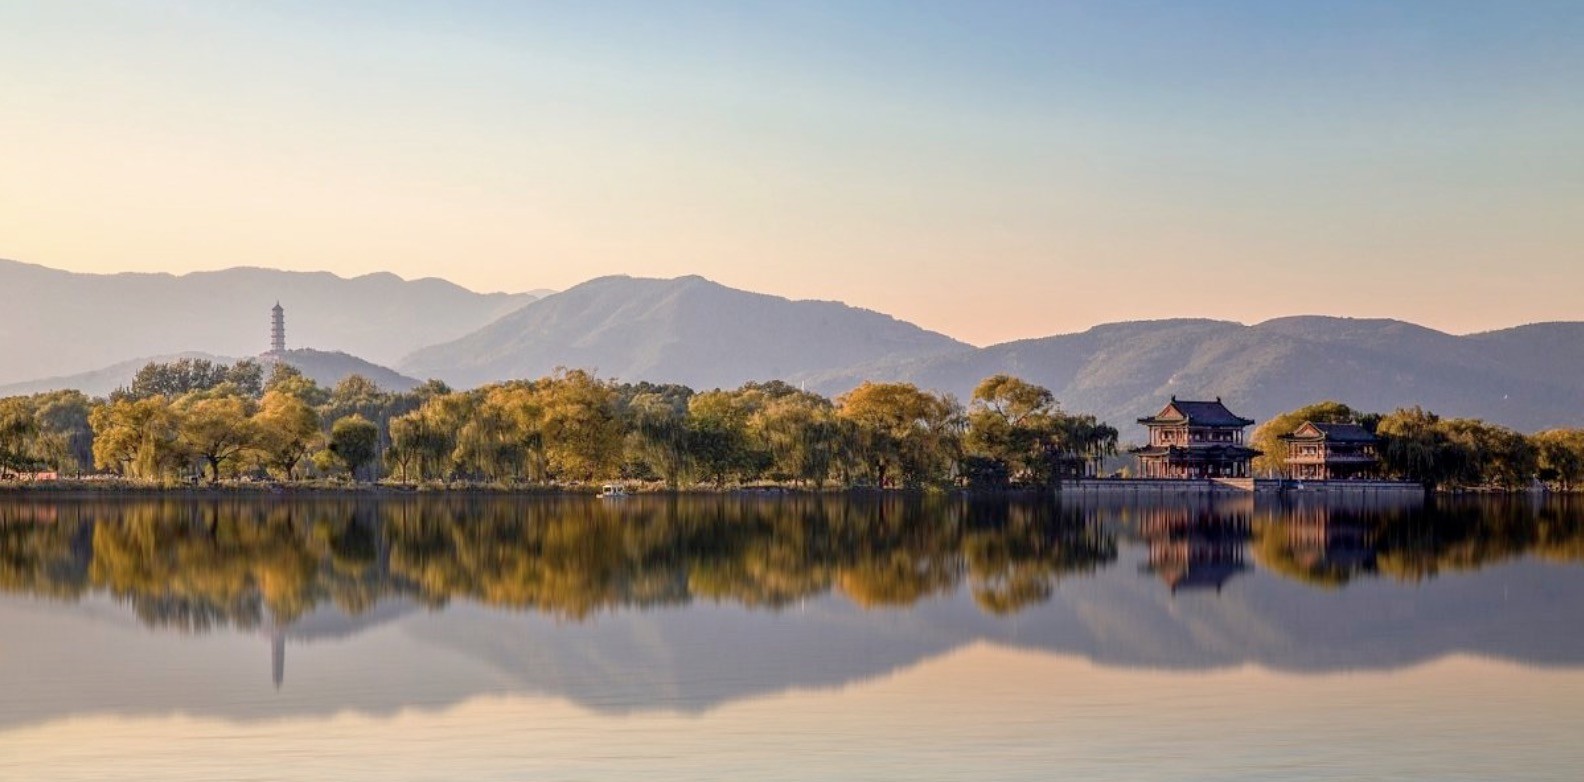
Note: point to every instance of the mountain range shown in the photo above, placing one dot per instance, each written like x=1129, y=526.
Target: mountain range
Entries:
x=696, y=332
x=60, y=323
x=687, y=330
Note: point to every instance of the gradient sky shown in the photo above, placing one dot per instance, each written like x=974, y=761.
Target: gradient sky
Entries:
x=990, y=170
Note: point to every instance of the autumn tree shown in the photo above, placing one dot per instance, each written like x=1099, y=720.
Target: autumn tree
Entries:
x=137, y=438
x=579, y=423
x=287, y=431
x=902, y=432
x=215, y=429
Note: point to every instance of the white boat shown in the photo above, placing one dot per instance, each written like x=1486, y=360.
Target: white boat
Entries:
x=612, y=491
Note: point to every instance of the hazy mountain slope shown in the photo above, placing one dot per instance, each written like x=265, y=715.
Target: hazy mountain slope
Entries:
x=329, y=368
x=687, y=330
x=100, y=382
x=324, y=367
x=1528, y=378
x=1551, y=350
x=58, y=323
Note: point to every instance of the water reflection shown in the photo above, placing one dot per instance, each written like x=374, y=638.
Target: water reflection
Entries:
x=200, y=565
x=691, y=603
x=1197, y=546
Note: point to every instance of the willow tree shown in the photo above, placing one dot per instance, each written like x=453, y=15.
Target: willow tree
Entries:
x=137, y=438
x=903, y=432
x=1560, y=456
x=17, y=430
x=579, y=423
x=659, y=436
x=287, y=430
x=354, y=441
x=217, y=430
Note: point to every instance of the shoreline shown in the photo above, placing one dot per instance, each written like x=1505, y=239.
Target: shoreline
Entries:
x=1115, y=489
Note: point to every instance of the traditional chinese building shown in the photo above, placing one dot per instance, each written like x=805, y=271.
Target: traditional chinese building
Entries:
x=1328, y=452
x=1195, y=440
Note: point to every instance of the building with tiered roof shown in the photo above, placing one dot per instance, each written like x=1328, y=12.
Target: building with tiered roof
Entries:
x=1195, y=439
x=1329, y=452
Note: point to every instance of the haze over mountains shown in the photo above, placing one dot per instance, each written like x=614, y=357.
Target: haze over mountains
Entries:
x=324, y=367
x=687, y=330
x=60, y=323
x=1529, y=377
x=695, y=332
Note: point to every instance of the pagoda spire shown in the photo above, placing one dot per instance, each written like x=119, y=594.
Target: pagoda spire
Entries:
x=278, y=329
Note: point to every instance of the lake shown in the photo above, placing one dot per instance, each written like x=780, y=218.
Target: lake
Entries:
x=754, y=637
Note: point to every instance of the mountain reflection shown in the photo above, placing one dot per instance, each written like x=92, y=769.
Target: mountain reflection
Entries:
x=707, y=600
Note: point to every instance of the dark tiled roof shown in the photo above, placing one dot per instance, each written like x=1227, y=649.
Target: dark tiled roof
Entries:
x=1202, y=414
x=1337, y=433
x=1218, y=451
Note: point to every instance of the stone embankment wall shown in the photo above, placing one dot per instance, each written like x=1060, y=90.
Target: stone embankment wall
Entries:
x=1156, y=487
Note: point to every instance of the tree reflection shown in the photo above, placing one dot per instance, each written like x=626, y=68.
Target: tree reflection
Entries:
x=251, y=564
x=262, y=565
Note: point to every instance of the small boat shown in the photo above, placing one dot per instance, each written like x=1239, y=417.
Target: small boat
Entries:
x=612, y=491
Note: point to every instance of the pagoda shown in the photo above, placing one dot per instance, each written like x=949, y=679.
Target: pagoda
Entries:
x=278, y=329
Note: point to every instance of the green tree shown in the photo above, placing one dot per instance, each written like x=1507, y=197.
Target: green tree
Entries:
x=1560, y=456
x=1487, y=454
x=17, y=430
x=659, y=437
x=353, y=442
x=1414, y=447
x=65, y=439
x=801, y=435
x=717, y=434
x=1010, y=422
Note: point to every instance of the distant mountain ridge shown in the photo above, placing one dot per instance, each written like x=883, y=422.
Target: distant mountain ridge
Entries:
x=1528, y=377
x=59, y=323
x=693, y=331
x=686, y=330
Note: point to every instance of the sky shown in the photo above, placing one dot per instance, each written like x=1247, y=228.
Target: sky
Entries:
x=992, y=171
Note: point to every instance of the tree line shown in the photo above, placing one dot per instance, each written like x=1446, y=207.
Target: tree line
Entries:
x=1439, y=452
x=196, y=420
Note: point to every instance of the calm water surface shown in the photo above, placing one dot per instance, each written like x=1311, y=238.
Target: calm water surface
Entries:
x=795, y=638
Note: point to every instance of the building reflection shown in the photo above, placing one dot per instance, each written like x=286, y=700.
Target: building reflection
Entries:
x=291, y=570
x=1197, y=546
